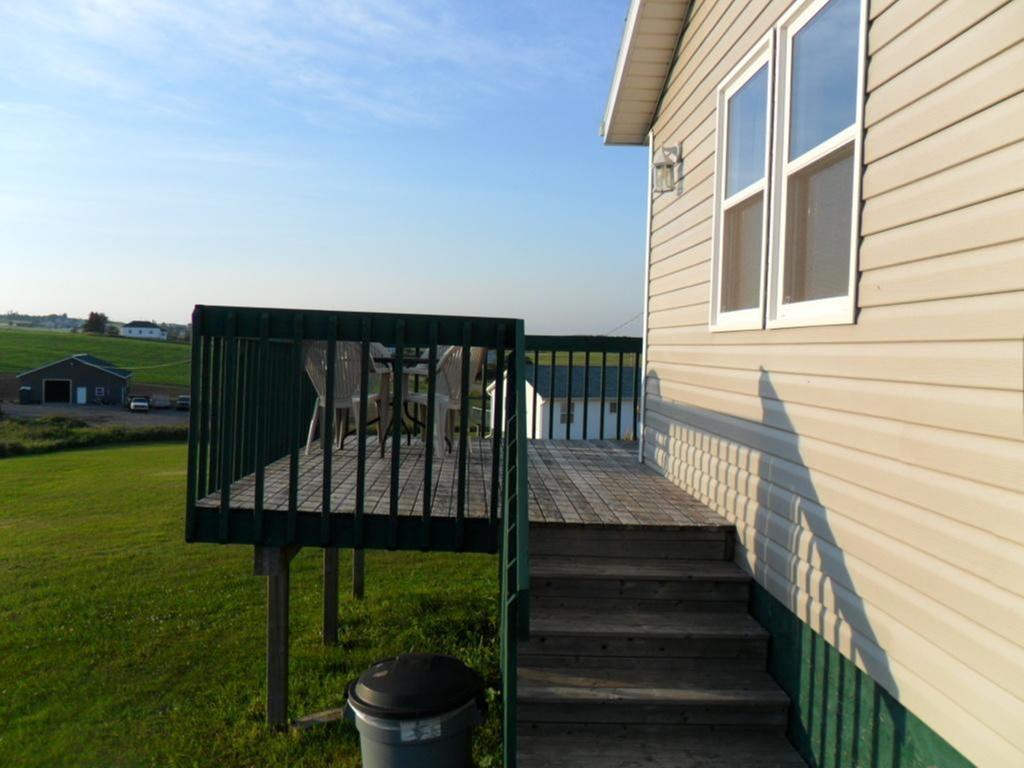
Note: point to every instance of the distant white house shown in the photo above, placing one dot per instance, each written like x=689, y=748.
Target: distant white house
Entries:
x=548, y=406
x=143, y=329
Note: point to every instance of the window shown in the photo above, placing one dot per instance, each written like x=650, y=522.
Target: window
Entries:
x=807, y=140
x=565, y=416
x=613, y=406
x=817, y=162
x=101, y=392
x=741, y=216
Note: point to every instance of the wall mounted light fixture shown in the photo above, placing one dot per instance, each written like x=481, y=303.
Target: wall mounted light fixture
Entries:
x=668, y=170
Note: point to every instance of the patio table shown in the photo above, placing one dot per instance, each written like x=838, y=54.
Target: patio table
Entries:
x=413, y=364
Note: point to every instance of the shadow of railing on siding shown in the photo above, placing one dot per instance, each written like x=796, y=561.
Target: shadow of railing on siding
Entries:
x=838, y=719
x=820, y=717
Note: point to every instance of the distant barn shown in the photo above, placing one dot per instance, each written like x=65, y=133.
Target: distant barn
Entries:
x=81, y=379
x=143, y=329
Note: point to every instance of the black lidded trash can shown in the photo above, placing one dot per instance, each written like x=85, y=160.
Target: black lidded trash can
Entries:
x=416, y=710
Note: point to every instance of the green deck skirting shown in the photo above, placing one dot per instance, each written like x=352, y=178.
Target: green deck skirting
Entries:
x=840, y=718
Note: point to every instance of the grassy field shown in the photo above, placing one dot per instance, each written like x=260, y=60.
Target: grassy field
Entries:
x=57, y=433
x=151, y=362
x=123, y=646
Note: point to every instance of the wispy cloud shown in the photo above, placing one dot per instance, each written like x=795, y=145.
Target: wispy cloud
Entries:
x=391, y=60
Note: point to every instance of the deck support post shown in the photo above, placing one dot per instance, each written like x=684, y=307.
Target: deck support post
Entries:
x=358, y=573
x=330, y=596
x=274, y=563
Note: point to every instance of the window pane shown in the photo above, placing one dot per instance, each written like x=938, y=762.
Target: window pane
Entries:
x=741, y=254
x=823, y=99
x=746, y=133
x=818, y=218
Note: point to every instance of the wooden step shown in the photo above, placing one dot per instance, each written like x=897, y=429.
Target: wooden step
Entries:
x=651, y=696
x=710, y=542
x=589, y=748
x=573, y=634
x=623, y=583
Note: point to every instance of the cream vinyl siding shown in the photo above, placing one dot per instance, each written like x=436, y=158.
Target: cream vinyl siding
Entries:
x=875, y=471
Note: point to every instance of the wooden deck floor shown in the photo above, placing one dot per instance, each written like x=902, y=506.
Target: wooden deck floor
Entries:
x=571, y=482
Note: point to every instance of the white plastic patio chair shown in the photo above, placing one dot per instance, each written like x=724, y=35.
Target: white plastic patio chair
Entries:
x=448, y=393
x=347, y=373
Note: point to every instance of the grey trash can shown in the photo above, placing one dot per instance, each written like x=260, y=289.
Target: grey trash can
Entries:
x=416, y=710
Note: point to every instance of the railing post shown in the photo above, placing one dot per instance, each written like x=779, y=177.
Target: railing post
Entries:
x=536, y=386
x=463, y=448
x=637, y=362
x=396, y=432
x=205, y=396
x=262, y=425
x=522, y=490
x=216, y=404
x=364, y=399
x=618, y=399
x=327, y=430
x=568, y=400
x=551, y=396
x=193, y=427
x=295, y=425
x=227, y=432
x=586, y=393
x=515, y=596
x=498, y=430
x=428, y=437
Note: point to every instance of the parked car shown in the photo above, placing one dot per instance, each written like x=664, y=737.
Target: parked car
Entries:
x=159, y=402
x=184, y=403
x=139, y=405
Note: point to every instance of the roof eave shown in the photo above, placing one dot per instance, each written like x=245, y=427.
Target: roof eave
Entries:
x=126, y=375
x=625, y=47
x=636, y=133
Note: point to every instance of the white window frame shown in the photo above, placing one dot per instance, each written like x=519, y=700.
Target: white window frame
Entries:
x=835, y=310
x=752, y=318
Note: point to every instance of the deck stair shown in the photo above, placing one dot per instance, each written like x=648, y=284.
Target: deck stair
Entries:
x=642, y=653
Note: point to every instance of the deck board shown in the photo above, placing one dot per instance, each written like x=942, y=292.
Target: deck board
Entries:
x=571, y=483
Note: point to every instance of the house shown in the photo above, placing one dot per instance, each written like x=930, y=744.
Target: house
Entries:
x=80, y=379
x=834, y=303
x=816, y=553
x=549, y=412
x=143, y=329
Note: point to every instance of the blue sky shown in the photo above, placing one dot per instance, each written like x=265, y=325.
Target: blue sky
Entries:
x=420, y=155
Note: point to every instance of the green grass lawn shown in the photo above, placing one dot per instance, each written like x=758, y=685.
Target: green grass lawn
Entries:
x=123, y=646
x=151, y=362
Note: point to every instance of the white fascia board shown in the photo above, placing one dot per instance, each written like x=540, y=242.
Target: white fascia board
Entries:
x=625, y=48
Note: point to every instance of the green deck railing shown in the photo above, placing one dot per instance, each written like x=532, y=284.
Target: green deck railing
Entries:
x=599, y=374
x=252, y=402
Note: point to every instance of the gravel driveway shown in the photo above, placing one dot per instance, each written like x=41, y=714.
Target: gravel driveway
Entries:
x=98, y=414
